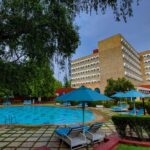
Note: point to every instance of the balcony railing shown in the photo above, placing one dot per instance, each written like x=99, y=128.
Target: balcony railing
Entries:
x=133, y=76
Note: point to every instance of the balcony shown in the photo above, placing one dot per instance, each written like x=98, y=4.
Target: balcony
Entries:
x=78, y=62
x=130, y=54
x=85, y=65
x=132, y=69
x=131, y=61
x=86, y=71
x=130, y=47
x=130, y=75
x=85, y=76
x=85, y=82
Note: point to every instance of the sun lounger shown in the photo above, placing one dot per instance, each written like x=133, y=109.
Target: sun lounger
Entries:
x=66, y=104
x=120, y=108
x=99, y=106
x=80, y=105
x=140, y=112
x=133, y=111
x=94, y=134
x=7, y=102
x=57, y=104
x=73, y=136
x=27, y=102
x=137, y=112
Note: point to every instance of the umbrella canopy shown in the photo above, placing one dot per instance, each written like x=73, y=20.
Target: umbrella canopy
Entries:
x=133, y=94
x=83, y=95
x=118, y=95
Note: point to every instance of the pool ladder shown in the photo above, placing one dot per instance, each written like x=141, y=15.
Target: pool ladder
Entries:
x=10, y=119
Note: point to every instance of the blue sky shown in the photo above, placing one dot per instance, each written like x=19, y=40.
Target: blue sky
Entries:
x=96, y=27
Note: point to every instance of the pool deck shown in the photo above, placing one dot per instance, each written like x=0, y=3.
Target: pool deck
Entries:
x=20, y=138
x=29, y=138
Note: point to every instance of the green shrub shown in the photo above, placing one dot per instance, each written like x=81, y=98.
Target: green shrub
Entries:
x=138, y=104
x=147, y=106
x=108, y=104
x=138, y=124
x=94, y=103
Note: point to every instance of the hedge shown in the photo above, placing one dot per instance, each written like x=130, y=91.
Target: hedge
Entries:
x=147, y=106
x=138, y=104
x=127, y=125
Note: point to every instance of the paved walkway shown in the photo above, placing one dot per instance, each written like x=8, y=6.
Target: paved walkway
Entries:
x=17, y=138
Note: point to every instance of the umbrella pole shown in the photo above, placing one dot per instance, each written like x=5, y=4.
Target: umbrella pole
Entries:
x=134, y=106
x=143, y=105
x=83, y=108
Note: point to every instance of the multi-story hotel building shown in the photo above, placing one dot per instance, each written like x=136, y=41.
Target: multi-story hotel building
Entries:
x=86, y=71
x=115, y=58
x=145, y=65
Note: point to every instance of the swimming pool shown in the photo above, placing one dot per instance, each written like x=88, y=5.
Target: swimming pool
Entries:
x=38, y=115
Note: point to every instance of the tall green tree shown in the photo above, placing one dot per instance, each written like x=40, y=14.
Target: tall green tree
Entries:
x=38, y=29
x=57, y=84
x=119, y=85
x=67, y=83
x=27, y=79
x=32, y=32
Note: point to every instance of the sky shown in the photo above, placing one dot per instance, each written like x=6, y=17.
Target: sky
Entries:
x=96, y=27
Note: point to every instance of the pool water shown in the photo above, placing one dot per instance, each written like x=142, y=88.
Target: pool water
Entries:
x=37, y=115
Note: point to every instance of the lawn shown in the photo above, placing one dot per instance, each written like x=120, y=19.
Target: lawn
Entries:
x=131, y=147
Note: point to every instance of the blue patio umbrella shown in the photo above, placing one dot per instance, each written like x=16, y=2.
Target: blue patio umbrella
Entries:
x=133, y=94
x=118, y=95
x=83, y=94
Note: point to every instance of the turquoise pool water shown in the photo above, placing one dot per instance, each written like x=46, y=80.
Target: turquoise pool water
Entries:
x=37, y=115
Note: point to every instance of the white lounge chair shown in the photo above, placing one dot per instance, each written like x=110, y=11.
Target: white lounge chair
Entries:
x=94, y=134
x=27, y=102
x=7, y=102
x=74, y=136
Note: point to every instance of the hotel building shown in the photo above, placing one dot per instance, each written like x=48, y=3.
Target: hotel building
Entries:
x=145, y=65
x=114, y=58
x=86, y=71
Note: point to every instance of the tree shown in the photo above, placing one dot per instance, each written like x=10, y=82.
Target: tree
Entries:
x=39, y=29
x=42, y=84
x=57, y=84
x=32, y=32
x=119, y=85
x=27, y=79
x=67, y=83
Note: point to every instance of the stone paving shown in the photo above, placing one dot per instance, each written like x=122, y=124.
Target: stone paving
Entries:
x=19, y=138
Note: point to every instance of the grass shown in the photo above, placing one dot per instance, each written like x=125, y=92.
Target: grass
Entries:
x=131, y=147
